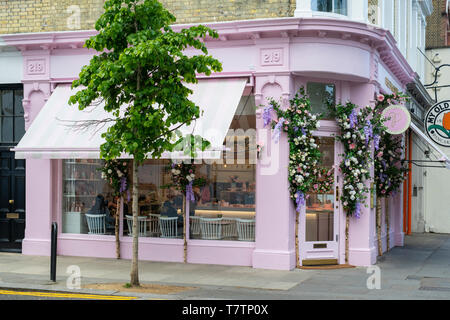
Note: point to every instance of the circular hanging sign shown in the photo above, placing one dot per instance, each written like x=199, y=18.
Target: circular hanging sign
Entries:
x=398, y=119
x=437, y=123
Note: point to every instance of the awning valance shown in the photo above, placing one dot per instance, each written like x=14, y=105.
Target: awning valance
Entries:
x=419, y=132
x=55, y=132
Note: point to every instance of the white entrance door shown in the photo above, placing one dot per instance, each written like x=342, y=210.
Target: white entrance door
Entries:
x=319, y=226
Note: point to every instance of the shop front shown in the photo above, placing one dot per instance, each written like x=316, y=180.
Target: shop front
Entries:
x=243, y=214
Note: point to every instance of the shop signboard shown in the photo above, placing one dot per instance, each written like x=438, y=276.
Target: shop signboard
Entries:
x=437, y=123
x=398, y=119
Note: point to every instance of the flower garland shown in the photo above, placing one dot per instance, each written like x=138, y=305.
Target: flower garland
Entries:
x=116, y=173
x=389, y=171
x=184, y=179
x=357, y=132
x=304, y=155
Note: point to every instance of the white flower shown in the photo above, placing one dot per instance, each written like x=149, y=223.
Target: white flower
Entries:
x=189, y=178
x=109, y=171
x=360, y=186
x=119, y=173
x=192, y=175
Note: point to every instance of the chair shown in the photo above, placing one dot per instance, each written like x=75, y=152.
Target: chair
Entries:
x=168, y=227
x=96, y=223
x=142, y=221
x=194, y=223
x=246, y=229
x=154, y=225
x=211, y=228
x=229, y=229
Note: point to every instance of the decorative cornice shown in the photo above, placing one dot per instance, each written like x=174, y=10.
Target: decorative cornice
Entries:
x=249, y=31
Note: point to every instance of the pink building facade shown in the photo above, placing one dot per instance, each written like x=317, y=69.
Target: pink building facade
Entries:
x=275, y=57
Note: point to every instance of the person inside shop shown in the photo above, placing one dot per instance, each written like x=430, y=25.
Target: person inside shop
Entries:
x=169, y=207
x=101, y=207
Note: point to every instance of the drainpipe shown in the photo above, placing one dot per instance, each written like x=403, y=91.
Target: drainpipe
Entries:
x=409, y=182
x=405, y=188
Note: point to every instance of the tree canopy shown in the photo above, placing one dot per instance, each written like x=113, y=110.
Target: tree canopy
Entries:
x=142, y=64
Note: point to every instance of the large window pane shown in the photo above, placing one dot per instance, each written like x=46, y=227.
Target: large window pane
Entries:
x=160, y=209
x=320, y=94
x=88, y=204
x=225, y=206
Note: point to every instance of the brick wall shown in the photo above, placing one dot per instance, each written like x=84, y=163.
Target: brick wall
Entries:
x=19, y=16
x=437, y=25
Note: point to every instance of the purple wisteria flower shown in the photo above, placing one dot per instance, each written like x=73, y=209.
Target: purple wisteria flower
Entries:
x=190, y=192
x=358, y=210
x=376, y=141
x=304, y=131
x=267, y=115
x=368, y=131
x=353, y=118
x=123, y=184
x=300, y=200
x=277, y=130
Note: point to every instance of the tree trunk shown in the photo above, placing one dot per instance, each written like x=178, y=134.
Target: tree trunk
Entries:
x=347, y=224
x=116, y=229
x=378, y=216
x=184, y=228
x=297, y=255
x=135, y=231
x=388, y=240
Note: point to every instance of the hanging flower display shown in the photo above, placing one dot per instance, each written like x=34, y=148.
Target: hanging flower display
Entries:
x=115, y=172
x=389, y=171
x=357, y=132
x=183, y=179
x=304, y=155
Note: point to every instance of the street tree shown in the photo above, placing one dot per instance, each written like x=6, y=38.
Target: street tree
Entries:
x=142, y=64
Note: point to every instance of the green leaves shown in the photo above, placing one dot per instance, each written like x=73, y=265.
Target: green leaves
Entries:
x=142, y=65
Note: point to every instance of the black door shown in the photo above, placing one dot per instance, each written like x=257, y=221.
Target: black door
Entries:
x=12, y=171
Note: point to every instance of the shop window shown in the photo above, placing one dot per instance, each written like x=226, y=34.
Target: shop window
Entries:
x=225, y=207
x=88, y=204
x=334, y=6
x=320, y=94
x=155, y=201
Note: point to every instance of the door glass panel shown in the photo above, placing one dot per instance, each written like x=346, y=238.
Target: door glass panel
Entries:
x=7, y=129
x=19, y=128
x=320, y=206
x=18, y=107
x=7, y=103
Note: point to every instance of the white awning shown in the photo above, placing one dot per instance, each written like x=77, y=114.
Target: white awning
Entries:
x=432, y=144
x=55, y=132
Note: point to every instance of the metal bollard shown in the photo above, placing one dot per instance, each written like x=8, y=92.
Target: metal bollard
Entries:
x=53, y=252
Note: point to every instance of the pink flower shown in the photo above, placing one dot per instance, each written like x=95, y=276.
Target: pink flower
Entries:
x=380, y=154
x=380, y=97
x=352, y=146
x=316, y=186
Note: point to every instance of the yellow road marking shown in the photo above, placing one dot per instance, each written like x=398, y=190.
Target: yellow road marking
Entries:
x=65, y=295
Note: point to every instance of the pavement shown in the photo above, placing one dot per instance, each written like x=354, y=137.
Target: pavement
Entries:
x=418, y=271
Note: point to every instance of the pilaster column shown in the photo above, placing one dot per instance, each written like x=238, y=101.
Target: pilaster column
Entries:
x=275, y=216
